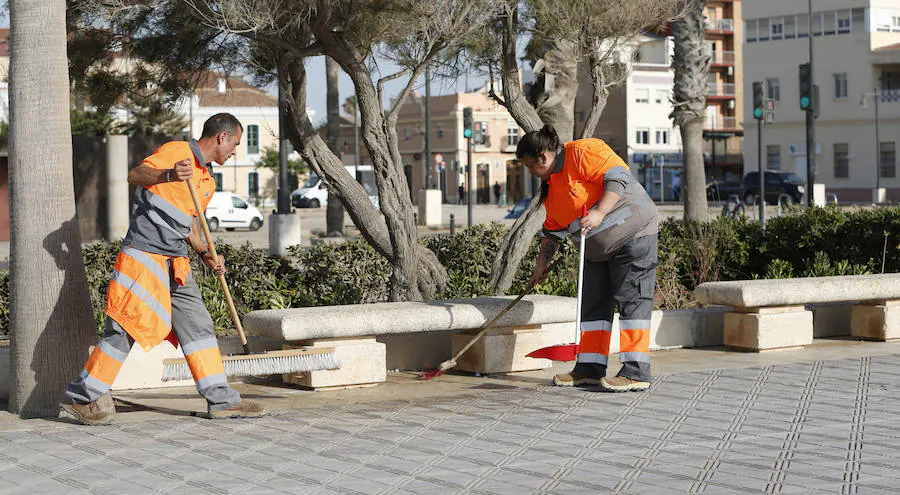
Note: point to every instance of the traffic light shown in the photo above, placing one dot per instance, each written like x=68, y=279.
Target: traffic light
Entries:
x=759, y=100
x=806, y=89
x=467, y=122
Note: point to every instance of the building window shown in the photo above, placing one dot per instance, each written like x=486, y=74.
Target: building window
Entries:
x=829, y=22
x=642, y=96
x=440, y=131
x=888, y=160
x=841, y=161
x=844, y=22
x=221, y=85
x=777, y=28
x=218, y=177
x=642, y=136
x=662, y=97
x=773, y=157
x=802, y=26
x=253, y=139
x=764, y=29
x=790, y=27
x=840, y=85
x=480, y=134
x=774, y=89
x=253, y=184
x=751, y=27
x=512, y=134
x=662, y=136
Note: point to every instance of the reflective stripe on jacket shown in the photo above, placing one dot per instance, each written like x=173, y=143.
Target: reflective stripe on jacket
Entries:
x=162, y=214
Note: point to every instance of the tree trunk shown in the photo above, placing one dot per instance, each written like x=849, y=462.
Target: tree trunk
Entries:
x=334, y=213
x=691, y=64
x=430, y=275
x=556, y=103
x=51, y=321
x=694, y=183
x=516, y=244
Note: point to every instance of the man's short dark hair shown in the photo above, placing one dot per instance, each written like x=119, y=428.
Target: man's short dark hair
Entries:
x=221, y=122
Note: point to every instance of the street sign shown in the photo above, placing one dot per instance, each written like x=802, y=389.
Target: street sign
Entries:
x=438, y=158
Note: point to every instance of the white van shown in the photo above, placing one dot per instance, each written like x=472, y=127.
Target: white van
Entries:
x=314, y=193
x=230, y=211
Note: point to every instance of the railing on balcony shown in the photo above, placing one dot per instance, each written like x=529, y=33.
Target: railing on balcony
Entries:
x=721, y=57
x=720, y=89
x=719, y=123
x=890, y=95
x=720, y=25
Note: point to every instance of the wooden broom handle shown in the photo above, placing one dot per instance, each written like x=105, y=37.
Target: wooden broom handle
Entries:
x=212, y=251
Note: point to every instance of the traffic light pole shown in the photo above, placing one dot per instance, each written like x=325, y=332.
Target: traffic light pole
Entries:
x=471, y=168
x=810, y=120
x=762, y=174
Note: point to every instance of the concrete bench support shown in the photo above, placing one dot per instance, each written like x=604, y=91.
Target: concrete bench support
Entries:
x=759, y=329
x=503, y=350
x=362, y=364
x=876, y=320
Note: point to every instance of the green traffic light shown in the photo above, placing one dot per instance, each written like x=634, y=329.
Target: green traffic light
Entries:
x=804, y=102
x=467, y=133
x=757, y=112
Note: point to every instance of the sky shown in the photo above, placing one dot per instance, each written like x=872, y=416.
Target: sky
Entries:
x=316, y=89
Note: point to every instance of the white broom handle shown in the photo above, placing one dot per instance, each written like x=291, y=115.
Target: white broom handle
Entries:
x=580, y=290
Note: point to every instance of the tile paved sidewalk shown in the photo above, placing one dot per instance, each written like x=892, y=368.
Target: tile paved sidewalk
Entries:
x=823, y=421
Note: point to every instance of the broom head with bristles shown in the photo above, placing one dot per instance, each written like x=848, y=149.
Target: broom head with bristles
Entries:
x=265, y=363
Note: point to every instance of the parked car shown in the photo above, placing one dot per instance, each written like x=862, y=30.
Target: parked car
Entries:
x=230, y=211
x=777, y=183
x=720, y=190
x=314, y=193
x=518, y=208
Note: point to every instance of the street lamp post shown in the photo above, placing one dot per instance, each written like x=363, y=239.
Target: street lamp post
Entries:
x=875, y=94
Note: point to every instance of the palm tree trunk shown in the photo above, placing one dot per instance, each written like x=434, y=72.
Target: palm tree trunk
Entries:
x=334, y=213
x=691, y=68
x=51, y=321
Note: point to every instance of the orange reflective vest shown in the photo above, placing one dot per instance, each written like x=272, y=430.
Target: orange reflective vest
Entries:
x=153, y=252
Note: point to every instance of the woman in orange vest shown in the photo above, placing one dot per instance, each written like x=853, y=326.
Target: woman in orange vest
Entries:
x=620, y=251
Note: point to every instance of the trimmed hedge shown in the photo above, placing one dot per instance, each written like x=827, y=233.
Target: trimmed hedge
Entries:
x=810, y=242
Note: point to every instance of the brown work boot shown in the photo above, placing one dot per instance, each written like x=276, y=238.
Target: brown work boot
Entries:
x=245, y=409
x=623, y=384
x=99, y=412
x=582, y=374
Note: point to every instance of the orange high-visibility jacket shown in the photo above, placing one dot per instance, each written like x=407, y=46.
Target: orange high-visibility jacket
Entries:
x=162, y=218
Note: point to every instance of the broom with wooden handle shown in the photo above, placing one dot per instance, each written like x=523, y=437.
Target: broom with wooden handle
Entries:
x=248, y=364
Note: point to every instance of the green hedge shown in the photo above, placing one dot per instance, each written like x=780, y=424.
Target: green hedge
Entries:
x=810, y=242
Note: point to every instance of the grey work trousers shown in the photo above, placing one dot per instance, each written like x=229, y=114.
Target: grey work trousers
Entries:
x=627, y=281
x=192, y=325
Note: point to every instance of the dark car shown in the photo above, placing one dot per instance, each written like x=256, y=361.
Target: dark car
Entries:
x=720, y=190
x=777, y=183
x=518, y=208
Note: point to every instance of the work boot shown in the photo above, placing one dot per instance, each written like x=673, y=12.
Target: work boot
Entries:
x=623, y=384
x=582, y=374
x=99, y=412
x=244, y=409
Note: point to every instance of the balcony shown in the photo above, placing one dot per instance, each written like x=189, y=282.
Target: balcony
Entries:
x=721, y=58
x=721, y=91
x=719, y=123
x=724, y=26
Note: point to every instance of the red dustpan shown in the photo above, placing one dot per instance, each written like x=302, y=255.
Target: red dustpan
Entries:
x=567, y=352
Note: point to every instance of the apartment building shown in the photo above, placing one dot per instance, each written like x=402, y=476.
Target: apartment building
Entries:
x=856, y=60
x=496, y=135
x=637, y=124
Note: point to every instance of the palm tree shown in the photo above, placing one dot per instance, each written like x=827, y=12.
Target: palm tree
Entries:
x=51, y=321
x=691, y=68
x=334, y=213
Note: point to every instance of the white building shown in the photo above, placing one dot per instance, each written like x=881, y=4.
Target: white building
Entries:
x=257, y=110
x=857, y=56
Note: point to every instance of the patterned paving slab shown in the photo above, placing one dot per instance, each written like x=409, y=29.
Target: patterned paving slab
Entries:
x=799, y=428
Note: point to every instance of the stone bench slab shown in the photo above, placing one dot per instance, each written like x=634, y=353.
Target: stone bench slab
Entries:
x=799, y=291
x=359, y=320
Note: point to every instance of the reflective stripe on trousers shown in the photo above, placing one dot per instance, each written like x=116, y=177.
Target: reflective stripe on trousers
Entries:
x=194, y=328
x=627, y=281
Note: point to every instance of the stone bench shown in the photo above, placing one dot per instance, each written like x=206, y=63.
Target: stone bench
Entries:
x=537, y=321
x=771, y=314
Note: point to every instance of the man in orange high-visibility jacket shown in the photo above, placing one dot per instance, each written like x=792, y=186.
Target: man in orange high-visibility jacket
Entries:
x=152, y=296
